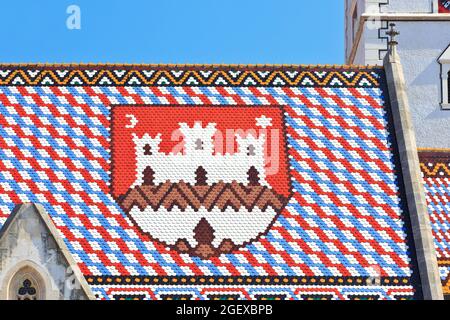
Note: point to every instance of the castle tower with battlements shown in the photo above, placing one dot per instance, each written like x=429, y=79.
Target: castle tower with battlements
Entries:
x=198, y=162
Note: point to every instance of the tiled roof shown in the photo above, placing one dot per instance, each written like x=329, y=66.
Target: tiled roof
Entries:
x=435, y=165
x=342, y=235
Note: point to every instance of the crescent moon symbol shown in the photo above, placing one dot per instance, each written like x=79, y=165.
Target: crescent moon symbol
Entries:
x=133, y=121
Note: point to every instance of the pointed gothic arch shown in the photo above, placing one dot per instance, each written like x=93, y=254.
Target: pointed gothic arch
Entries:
x=13, y=280
x=27, y=284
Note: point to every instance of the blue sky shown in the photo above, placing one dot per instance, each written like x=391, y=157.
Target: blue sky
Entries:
x=174, y=31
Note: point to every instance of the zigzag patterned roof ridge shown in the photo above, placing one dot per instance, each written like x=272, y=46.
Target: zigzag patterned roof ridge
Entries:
x=178, y=75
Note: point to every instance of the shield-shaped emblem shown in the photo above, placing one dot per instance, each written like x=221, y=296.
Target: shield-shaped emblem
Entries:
x=200, y=180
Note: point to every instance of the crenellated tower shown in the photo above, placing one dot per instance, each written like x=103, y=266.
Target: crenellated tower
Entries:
x=198, y=162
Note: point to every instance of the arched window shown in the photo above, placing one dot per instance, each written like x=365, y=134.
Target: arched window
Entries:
x=27, y=284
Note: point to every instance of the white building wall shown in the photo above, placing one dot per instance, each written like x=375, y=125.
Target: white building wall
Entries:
x=407, y=6
x=420, y=45
x=421, y=42
x=360, y=56
x=370, y=40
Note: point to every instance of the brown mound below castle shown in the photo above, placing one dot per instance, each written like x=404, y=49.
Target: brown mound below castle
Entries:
x=219, y=195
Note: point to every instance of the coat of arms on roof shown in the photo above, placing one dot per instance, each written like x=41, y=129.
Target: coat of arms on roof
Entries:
x=183, y=175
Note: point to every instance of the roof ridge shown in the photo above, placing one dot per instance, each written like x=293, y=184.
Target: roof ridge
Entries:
x=194, y=65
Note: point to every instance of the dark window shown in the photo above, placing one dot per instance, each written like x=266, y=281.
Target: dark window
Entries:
x=147, y=150
x=149, y=177
x=253, y=176
x=26, y=291
x=251, y=150
x=199, y=144
x=201, y=178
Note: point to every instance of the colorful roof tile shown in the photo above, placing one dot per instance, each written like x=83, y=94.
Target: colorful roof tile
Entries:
x=435, y=165
x=304, y=201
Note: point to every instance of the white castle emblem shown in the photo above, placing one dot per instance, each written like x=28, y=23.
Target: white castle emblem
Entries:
x=199, y=153
x=200, y=201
